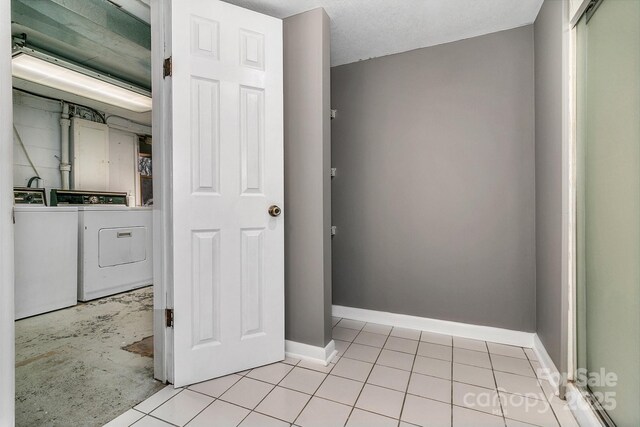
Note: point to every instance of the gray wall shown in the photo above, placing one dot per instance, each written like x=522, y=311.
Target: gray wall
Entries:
x=548, y=84
x=434, y=195
x=307, y=157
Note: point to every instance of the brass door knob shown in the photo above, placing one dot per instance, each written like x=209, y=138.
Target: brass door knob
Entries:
x=274, y=210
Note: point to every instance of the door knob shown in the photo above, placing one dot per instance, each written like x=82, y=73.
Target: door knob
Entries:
x=274, y=210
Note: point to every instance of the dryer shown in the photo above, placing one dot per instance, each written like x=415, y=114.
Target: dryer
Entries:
x=115, y=250
x=114, y=242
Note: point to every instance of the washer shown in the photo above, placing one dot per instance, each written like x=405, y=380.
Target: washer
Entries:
x=115, y=250
x=46, y=258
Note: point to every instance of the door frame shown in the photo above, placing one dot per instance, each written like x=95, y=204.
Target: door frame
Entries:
x=162, y=175
x=581, y=408
x=585, y=412
x=7, y=331
x=162, y=274
x=569, y=191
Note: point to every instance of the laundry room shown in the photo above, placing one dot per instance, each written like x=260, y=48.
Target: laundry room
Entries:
x=83, y=197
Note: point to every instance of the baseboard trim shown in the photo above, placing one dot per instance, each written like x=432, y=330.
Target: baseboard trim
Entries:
x=581, y=409
x=311, y=353
x=464, y=330
x=552, y=374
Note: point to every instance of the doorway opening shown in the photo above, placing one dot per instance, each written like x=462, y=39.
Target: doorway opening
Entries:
x=83, y=197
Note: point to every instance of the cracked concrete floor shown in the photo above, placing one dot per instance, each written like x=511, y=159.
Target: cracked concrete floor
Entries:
x=71, y=368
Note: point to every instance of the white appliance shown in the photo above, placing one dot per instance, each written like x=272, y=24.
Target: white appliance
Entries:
x=115, y=250
x=46, y=259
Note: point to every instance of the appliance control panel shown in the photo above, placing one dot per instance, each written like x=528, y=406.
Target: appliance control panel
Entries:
x=79, y=198
x=29, y=196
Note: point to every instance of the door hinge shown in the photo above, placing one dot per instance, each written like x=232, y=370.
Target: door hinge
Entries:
x=167, y=67
x=168, y=317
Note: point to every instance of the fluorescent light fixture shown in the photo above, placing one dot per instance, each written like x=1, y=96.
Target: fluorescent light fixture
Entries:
x=52, y=72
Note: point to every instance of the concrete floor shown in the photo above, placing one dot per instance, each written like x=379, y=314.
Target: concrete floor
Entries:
x=71, y=368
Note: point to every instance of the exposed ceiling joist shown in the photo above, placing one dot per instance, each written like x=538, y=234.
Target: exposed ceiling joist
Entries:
x=96, y=34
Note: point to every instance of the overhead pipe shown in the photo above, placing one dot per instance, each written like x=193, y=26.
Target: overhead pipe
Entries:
x=65, y=166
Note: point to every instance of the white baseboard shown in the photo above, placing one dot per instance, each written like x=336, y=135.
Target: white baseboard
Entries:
x=464, y=330
x=580, y=408
x=311, y=353
x=553, y=375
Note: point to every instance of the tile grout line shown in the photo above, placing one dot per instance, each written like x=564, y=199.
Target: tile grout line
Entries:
x=165, y=401
x=452, y=382
x=242, y=407
x=406, y=390
x=548, y=400
x=271, y=391
x=353, y=407
x=143, y=415
x=495, y=380
x=381, y=386
x=327, y=374
x=375, y=363
x=215, y=399
x=364, y=384
x=460, y=348
x=203, y=409
x=227, y=389
x=156, y=418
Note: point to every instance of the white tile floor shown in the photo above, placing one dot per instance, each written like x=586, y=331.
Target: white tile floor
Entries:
x=382, y=376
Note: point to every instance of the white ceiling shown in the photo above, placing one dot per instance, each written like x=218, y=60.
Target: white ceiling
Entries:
x=363, y=29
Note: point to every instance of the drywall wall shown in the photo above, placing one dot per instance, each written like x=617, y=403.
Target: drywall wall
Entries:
x=307, y=159
x=37, y=121
x=548, y=131
x=434, y=194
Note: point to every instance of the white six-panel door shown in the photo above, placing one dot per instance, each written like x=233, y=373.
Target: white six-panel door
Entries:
x=227, y=151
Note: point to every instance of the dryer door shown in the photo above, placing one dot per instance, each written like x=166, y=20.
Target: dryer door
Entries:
x=119, y=246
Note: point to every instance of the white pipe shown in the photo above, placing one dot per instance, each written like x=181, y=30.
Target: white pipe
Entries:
x=65, y=167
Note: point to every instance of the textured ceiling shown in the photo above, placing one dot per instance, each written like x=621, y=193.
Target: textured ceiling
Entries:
x=363, y=29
